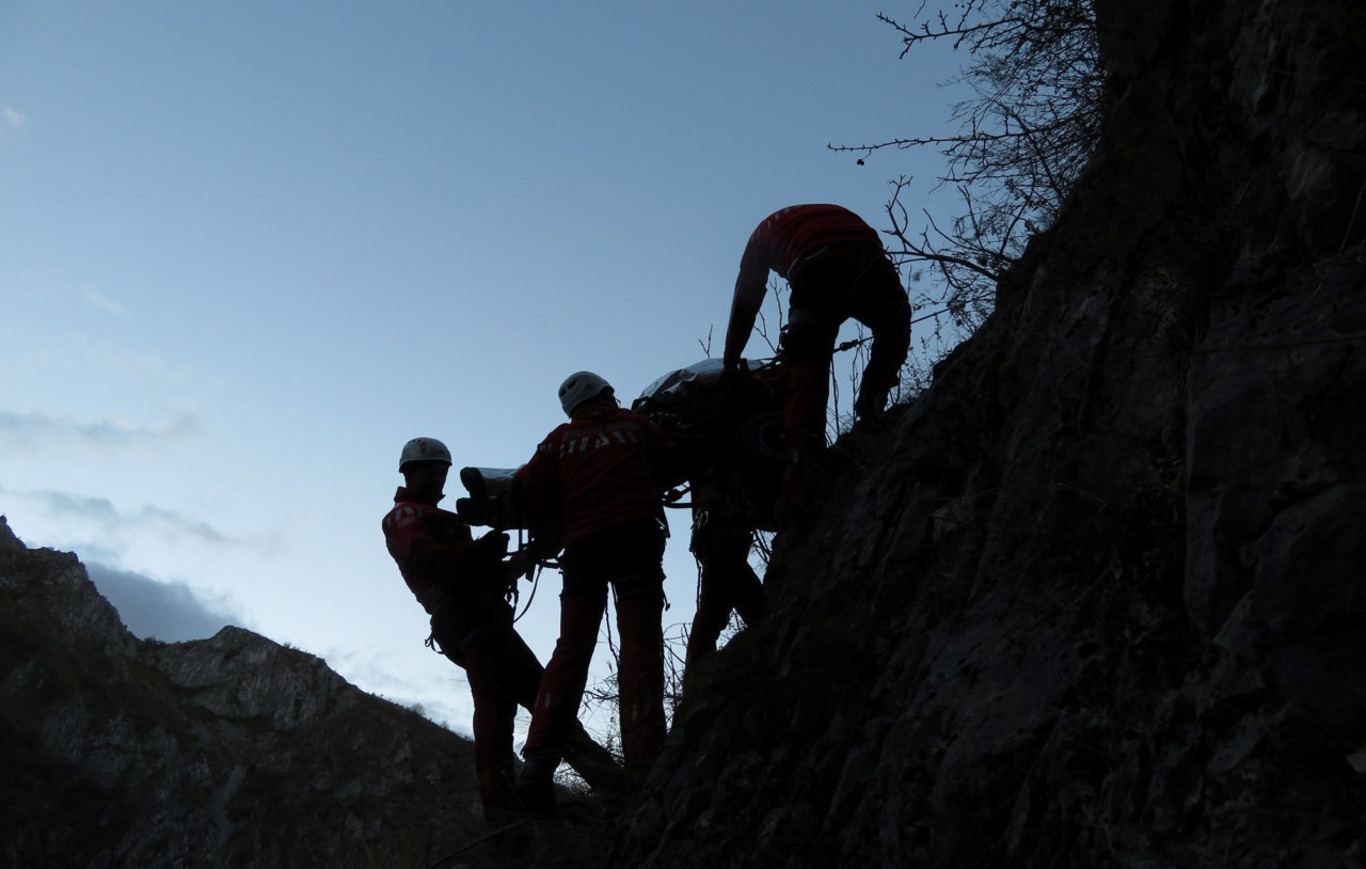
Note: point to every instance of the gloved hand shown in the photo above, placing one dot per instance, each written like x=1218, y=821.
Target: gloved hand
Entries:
x=517, y=564
x=494, y=544
x=731, y=375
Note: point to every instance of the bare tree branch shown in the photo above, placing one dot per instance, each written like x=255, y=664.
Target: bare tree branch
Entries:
x=1025, y=135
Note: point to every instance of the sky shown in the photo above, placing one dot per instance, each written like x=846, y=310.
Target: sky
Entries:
x=248, y=249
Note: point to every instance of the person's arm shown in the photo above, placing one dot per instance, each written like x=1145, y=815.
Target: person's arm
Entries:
x=750, y=286
x=453, y=553
x=535, y=492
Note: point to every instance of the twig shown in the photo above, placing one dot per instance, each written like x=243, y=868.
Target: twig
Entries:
x=479, y=841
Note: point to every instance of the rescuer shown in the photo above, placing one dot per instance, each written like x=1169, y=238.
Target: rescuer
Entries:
x=594, y=488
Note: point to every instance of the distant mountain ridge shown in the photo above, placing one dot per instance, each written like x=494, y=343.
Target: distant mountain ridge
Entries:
x=229, y=751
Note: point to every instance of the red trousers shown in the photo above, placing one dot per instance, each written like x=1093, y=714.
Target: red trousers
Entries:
x=627, y=557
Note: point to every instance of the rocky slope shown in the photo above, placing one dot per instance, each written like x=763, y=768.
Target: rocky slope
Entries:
x=230, y=751
x=1097, y=598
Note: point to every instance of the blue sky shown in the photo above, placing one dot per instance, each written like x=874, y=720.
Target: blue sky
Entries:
x=248, y=249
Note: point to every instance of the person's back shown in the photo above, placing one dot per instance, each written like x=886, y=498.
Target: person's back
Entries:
x=789, y=234
x=604, y=464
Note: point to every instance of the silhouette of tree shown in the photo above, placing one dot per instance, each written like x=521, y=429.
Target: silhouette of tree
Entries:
x=1025, y=135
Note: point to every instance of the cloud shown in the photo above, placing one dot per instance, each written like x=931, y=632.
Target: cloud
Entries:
x=447, y=703
x=168, y=611
x=30, y=430
x=103, y=511
x=71, y=509
x=14, y=117
x=63, y=504
x=176, y=522
x=98, y=300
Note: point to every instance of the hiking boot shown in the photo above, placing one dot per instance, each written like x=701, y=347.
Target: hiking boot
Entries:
x=536, y=787
x=594, y=764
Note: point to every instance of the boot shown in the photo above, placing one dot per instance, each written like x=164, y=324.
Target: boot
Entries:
x=536, y=787
x=594, y=763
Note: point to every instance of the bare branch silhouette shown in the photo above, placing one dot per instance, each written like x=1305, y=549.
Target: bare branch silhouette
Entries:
x=1025, y=135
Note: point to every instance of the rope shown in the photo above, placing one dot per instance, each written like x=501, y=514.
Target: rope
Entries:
x=535, y=584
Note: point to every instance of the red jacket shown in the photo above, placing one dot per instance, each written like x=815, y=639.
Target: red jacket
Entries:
x=437, y=555
x=605, y=466
x=783, y=238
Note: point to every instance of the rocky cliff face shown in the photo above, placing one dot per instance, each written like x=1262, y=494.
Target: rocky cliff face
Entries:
x=230, y=751
x=1097, y=598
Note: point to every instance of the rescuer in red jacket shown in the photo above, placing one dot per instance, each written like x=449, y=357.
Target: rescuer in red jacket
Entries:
x=594, y=487
x=836, y=267
x=461, y=582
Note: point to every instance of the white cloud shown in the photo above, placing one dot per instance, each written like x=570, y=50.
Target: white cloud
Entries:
x=30, y=430
x=102, y=511
x=14, y=117
x=103, y=514
x=103, y=302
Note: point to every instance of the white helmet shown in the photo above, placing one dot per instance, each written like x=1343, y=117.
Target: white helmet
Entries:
x=423, y=450
x=581, y=386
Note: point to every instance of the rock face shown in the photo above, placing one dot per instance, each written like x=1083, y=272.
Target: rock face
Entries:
x=1098, y=596
x=230, y=751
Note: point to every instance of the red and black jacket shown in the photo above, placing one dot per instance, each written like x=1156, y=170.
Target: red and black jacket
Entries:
x=439, y=558
x=605, y=466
